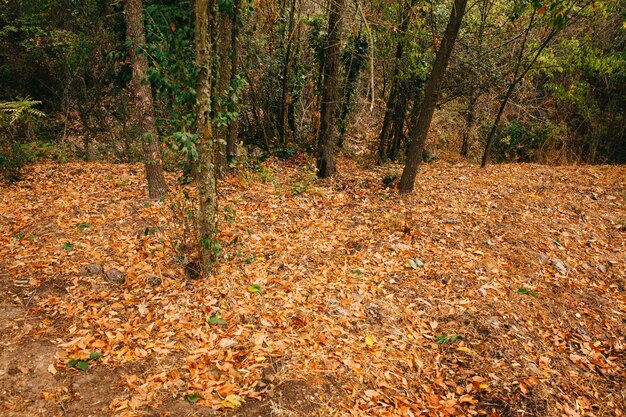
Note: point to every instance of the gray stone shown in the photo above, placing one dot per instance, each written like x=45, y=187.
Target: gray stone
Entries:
x=153, y=280
x=94, y=269
x=114, y=276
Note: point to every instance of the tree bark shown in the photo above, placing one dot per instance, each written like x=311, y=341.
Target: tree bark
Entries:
x=207, y=180
x=469, y=121
x=385, y=131
x=419, y=132
x=325, y=146
x=157, y=187
x=520, y=73
x=284, y=134
x=392, y=109
x=233, y=127
x=475, y=81
x=399, y=116
x=223, y=82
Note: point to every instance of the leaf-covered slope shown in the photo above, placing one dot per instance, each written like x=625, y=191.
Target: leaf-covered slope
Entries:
x=484, y=293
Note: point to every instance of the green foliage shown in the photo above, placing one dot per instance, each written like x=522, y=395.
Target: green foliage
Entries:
x=525, y=141
x=172, y=72
x=83, y=365
x=526, y=291
x=216, y=318
x=254, y=289
x=444, y=338
x=286, y=152
x=193, y=398
x=21, y=111
x=15, y=117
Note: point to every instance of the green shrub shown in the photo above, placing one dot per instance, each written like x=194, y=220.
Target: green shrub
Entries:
x=12, y=159
x=16, y=117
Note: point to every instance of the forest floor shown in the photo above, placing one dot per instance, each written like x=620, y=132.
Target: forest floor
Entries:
x=497, y=292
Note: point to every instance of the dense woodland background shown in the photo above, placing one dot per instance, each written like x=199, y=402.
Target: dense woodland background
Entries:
x=70, y=60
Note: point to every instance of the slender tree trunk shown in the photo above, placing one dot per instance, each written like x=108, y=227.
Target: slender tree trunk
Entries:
x=207, y=181
x=222, y=44
x=475, y=82
x=431, y=94
x=357, y=49
x=385, y=131
x=391, y=110
x=325, y=146
x=157, y=187
x=283, y=117
x=84, y=121
x=233, y=127
x=469, y=121
x=517, y=77
x=399, y=116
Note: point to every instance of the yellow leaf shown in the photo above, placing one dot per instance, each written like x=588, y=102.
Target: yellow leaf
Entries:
x=483, y=386
x=369, y=340
x=260, y=358
x=466, y=350
x=232, y=401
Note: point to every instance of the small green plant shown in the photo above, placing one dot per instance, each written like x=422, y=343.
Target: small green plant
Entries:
x=83, y=364
x=287, y=152
x=526, y=291
x=266, y=175
x=230, y=214
x=83, y=226
x=255, y=289
x=299, y=188
x=193, y=398
x=216, y=318
x=444, y=338
x=68, y=246
x=150, y=230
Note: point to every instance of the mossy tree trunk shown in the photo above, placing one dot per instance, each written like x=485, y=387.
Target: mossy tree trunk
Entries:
x=207, y=178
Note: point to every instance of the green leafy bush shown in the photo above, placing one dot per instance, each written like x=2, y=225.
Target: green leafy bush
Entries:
x=15, y=117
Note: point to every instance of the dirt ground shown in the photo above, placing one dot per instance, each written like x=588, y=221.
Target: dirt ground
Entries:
x=498, y=292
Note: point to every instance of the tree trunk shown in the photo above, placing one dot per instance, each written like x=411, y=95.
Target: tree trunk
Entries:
x=419, y=132
x=399, y=116
x=207, y=181
x=223, y=82
x=233, y=127
x=284, y=134
x=385, y=131
x=518, y=76
x=358, y=48
x=385, y=137
x=469, y=121
x=325, y=146
x=157, y=187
